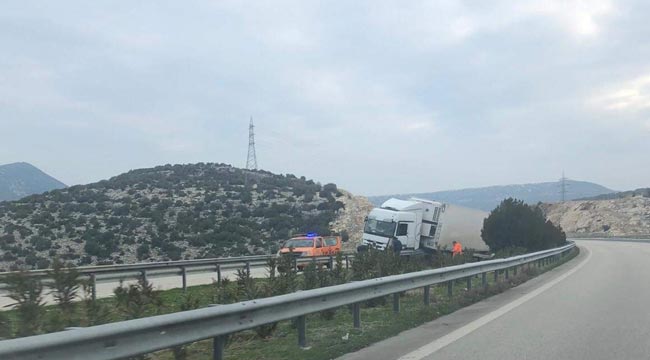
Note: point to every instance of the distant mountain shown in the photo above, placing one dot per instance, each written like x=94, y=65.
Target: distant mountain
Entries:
x=487, y=198
x=645, y=192
x=21, y=179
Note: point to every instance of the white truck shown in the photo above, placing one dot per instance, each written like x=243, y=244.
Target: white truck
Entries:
x=424, y=225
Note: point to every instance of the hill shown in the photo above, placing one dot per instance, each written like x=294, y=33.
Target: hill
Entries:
x=622, y=216
x=487, y=198
x=18, y=180
x=620, y=195
x=167, y=212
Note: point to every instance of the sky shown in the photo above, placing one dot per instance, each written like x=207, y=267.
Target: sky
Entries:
x=378, y=97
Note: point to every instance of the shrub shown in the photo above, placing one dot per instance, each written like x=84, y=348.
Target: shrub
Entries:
x=516, y=224
x=137, y=300
x=27, y=292
x=65, y=289
x=5, y=326
x=95, y=312
x=188, y=302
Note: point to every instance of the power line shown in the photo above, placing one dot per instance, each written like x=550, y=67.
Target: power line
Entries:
x=251, y=161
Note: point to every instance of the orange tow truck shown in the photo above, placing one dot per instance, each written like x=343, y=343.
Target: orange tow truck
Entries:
x=308, y=245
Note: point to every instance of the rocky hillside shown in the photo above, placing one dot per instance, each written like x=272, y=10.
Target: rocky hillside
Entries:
x=168, y=212
x=487, y=198
x=351, y=219
x=627, y=216
x=621, y=194
x=22, y=179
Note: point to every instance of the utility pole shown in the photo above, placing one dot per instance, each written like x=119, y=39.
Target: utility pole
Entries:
x=251, y=161
x=563, y=187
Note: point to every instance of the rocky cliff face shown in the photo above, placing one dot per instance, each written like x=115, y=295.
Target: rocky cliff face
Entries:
x=628, y=216
x=351, y=218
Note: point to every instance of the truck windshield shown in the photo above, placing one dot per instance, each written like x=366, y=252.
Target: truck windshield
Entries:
x=381, y=228
x=296, y=243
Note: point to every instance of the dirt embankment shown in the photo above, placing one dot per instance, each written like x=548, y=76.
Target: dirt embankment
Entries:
x=628, y=216
x=351, y=219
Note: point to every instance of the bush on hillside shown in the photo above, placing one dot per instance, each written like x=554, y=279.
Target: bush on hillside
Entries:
x=515, y=224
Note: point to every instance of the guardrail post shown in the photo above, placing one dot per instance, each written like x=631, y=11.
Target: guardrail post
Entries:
x=514, y=270
x=496, y=276
x=507, y=274
x=184, y=277
x=330, y=263
x=143, y=273
x=427, y=295
x=396, y=303
x=450, y=288
x=302, y=331
x=218, y=345
x=295, y=264
x=484, y=279
x=356, y=315
x=347, y=263
x=218, y=274
x=469, y=283
x=248, y=267
x=93, y=287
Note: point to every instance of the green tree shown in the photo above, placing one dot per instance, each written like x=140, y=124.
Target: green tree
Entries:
x=514, y=224
x=27, y=292
x=138, y=300
x=5, y=326
x=64, y=289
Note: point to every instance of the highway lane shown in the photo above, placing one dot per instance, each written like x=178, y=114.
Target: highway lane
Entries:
x=595, y=307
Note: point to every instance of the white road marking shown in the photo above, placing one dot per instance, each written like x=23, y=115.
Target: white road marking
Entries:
x=438, y=344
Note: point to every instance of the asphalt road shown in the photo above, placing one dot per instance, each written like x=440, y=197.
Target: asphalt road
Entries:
x=594, y=307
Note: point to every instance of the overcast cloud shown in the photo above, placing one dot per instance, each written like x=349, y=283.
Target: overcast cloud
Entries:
x=377, y=96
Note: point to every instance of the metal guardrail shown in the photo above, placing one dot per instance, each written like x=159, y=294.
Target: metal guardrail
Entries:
x=179, y=268
x=141, y=336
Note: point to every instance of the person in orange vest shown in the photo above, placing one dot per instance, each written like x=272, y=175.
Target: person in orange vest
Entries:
x=457, y=249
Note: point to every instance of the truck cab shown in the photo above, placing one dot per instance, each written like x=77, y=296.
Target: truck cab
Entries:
x=414, y=223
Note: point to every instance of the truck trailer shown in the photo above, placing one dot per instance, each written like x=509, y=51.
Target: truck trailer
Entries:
x=424, y=225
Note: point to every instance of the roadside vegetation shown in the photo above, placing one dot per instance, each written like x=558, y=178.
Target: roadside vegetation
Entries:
x=331, y=329
x=515, y=227
x=76, y=307
x=330, y=333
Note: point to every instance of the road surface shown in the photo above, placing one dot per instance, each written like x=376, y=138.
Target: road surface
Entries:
x=594, y=307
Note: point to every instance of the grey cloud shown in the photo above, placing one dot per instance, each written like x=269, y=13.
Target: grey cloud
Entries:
x=379, y=99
